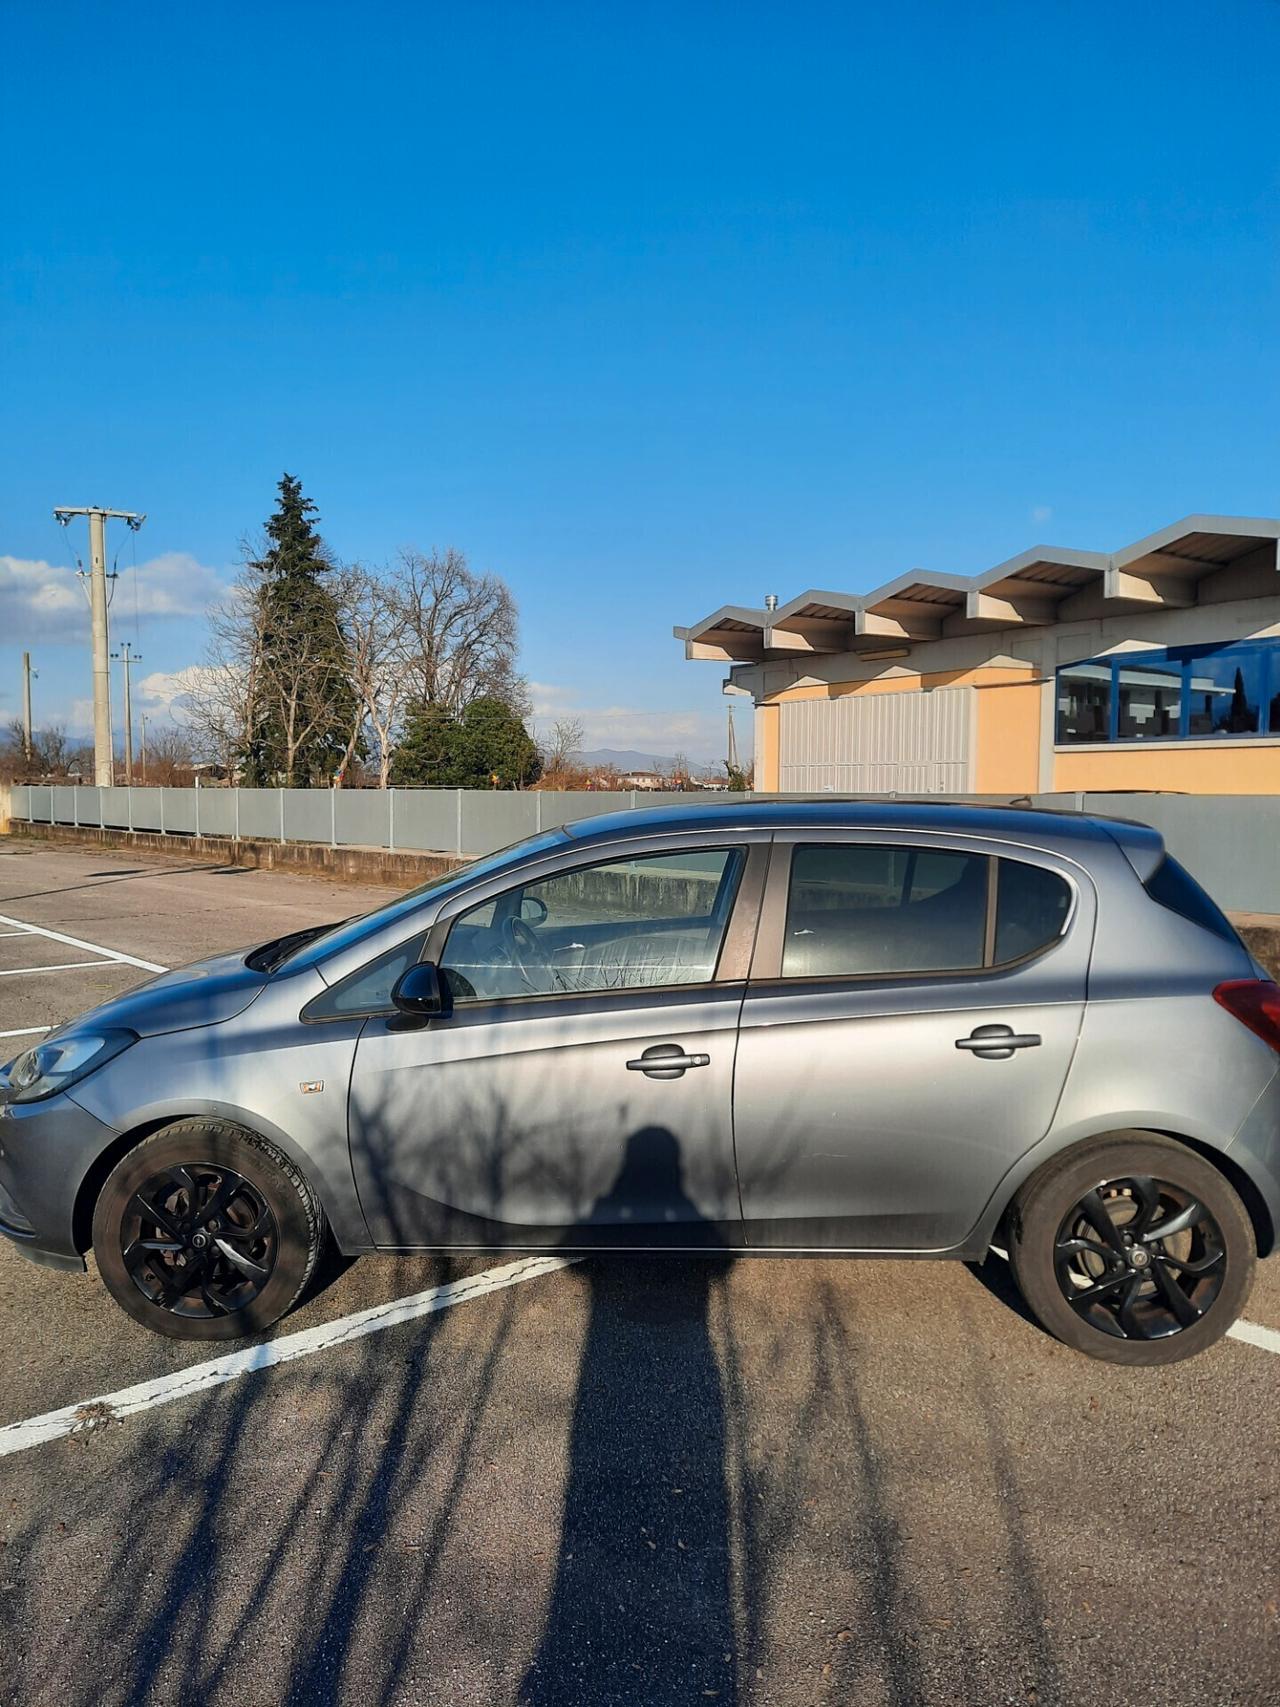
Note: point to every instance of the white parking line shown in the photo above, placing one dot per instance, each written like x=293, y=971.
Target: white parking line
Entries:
x=26, y=1031
x=62, y=966
x=78, y=942
x=1253, y=1333
x=89, y=1413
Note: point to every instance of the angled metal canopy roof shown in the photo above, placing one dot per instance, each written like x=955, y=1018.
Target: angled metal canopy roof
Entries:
x=1044, y=585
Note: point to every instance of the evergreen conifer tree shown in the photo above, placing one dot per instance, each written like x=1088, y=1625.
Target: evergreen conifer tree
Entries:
x=304, y=700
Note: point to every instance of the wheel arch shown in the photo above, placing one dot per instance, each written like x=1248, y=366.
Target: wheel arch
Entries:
x=337, y=1198
x=1236, y=1176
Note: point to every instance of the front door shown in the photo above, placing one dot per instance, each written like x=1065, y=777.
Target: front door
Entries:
x=909, y=1026
x=579, y=1092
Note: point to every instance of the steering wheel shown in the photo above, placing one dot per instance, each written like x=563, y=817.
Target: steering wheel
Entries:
x=527, y=955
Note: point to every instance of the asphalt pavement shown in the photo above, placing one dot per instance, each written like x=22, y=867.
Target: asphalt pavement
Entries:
x=659, y=1481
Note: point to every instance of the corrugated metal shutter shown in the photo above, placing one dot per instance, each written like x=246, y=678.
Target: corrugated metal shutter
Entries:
x=880, y=743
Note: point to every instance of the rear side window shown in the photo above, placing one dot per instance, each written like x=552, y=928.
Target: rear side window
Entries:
x=1032, y=905
x=878, y=910
x=857, y=910
x=1171, y=885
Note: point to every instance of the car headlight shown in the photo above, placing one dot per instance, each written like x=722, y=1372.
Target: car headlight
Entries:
x=58, y=1062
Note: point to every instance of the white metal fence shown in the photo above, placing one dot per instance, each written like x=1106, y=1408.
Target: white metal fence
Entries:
x=1231, y=842
x=435, y=820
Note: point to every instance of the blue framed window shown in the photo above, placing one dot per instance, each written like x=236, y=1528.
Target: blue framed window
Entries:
x=1172, y=693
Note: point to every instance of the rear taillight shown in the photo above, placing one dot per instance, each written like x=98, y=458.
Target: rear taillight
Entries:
x=1255, y=1002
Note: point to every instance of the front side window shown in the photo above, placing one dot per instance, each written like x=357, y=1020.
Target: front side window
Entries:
x=637, y=923
x=855, y=910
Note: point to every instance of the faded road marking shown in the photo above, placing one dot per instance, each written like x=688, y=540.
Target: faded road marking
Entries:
x=78, y=942
x=74, y=1419
x=1253, y=1333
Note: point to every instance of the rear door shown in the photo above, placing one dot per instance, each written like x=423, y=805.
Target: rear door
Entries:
x=910, y=1021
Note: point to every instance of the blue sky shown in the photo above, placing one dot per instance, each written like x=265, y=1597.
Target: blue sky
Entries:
x=647, y=308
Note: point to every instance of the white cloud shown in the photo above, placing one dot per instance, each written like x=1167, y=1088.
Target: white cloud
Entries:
x=700, y=734
x=1041, y=512
x=47, y=601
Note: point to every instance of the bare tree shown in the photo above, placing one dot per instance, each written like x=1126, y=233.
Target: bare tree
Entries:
x=460, y=632
x=170, y=763
x=217, y=697
x=245, y=681
x=372, y=624
x=52, y=753
x=559, y=744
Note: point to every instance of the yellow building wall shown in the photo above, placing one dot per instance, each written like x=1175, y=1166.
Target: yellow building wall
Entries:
x=1186, y=770
x=766, y=762
x=1008, y=757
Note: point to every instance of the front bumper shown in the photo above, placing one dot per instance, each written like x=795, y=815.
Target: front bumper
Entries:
x=46, y=1150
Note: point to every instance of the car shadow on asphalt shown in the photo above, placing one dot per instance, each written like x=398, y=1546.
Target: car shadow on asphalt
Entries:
x=996, y=1275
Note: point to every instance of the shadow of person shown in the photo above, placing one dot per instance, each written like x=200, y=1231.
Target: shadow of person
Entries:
x=641, y=1610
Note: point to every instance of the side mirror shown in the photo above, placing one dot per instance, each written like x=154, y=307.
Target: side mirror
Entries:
x=533, y=909
x=420, y=992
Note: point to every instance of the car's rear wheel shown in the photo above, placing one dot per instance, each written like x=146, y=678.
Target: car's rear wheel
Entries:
x=206, y=1232
x=1133, y=1249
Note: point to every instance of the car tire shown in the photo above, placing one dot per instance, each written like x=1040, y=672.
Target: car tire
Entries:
x=1140, y=1297
x=204, y=1231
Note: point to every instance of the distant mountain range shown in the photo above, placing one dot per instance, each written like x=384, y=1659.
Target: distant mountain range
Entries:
x=625, y=759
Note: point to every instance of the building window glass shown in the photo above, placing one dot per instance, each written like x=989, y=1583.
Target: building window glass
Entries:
x=1226, y=692
x=1084, y=702
x=1149, y=702
x=1180, y=693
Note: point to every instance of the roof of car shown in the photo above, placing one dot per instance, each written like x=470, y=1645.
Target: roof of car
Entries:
x=1044, y=826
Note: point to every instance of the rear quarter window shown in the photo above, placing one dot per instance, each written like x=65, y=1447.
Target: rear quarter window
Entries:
x=1032, y=907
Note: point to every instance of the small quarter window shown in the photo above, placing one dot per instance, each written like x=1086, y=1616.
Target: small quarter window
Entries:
x=367, y=991
x=857, y=910
x=1032, y=905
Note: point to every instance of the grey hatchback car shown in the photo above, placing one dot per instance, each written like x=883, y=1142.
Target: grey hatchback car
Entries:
x=866, y=1029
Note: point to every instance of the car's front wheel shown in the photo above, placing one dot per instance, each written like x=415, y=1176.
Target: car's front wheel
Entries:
x=1133, y=1249
x=206, y=1232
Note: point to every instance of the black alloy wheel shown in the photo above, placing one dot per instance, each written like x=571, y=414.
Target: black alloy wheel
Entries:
x=1132, y=1248
x=199, y=1240
x=1140, y=1258
x=206, y=1231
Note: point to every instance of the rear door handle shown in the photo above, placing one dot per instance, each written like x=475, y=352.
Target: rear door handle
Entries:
x=666, y=1061
x=997, y=1042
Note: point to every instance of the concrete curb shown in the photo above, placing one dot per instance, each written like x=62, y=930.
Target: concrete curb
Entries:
x=397, y=869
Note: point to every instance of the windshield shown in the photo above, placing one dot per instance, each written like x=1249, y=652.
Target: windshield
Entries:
x=334, y=938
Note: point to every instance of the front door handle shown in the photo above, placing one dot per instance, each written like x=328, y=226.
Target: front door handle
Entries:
x=997, y=1042
x=666, y=1061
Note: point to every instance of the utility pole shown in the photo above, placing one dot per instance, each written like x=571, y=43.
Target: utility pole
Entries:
x=128, y=659
x=144, y=747
x=731, y=761
x=26, y=707
x=103, y=758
